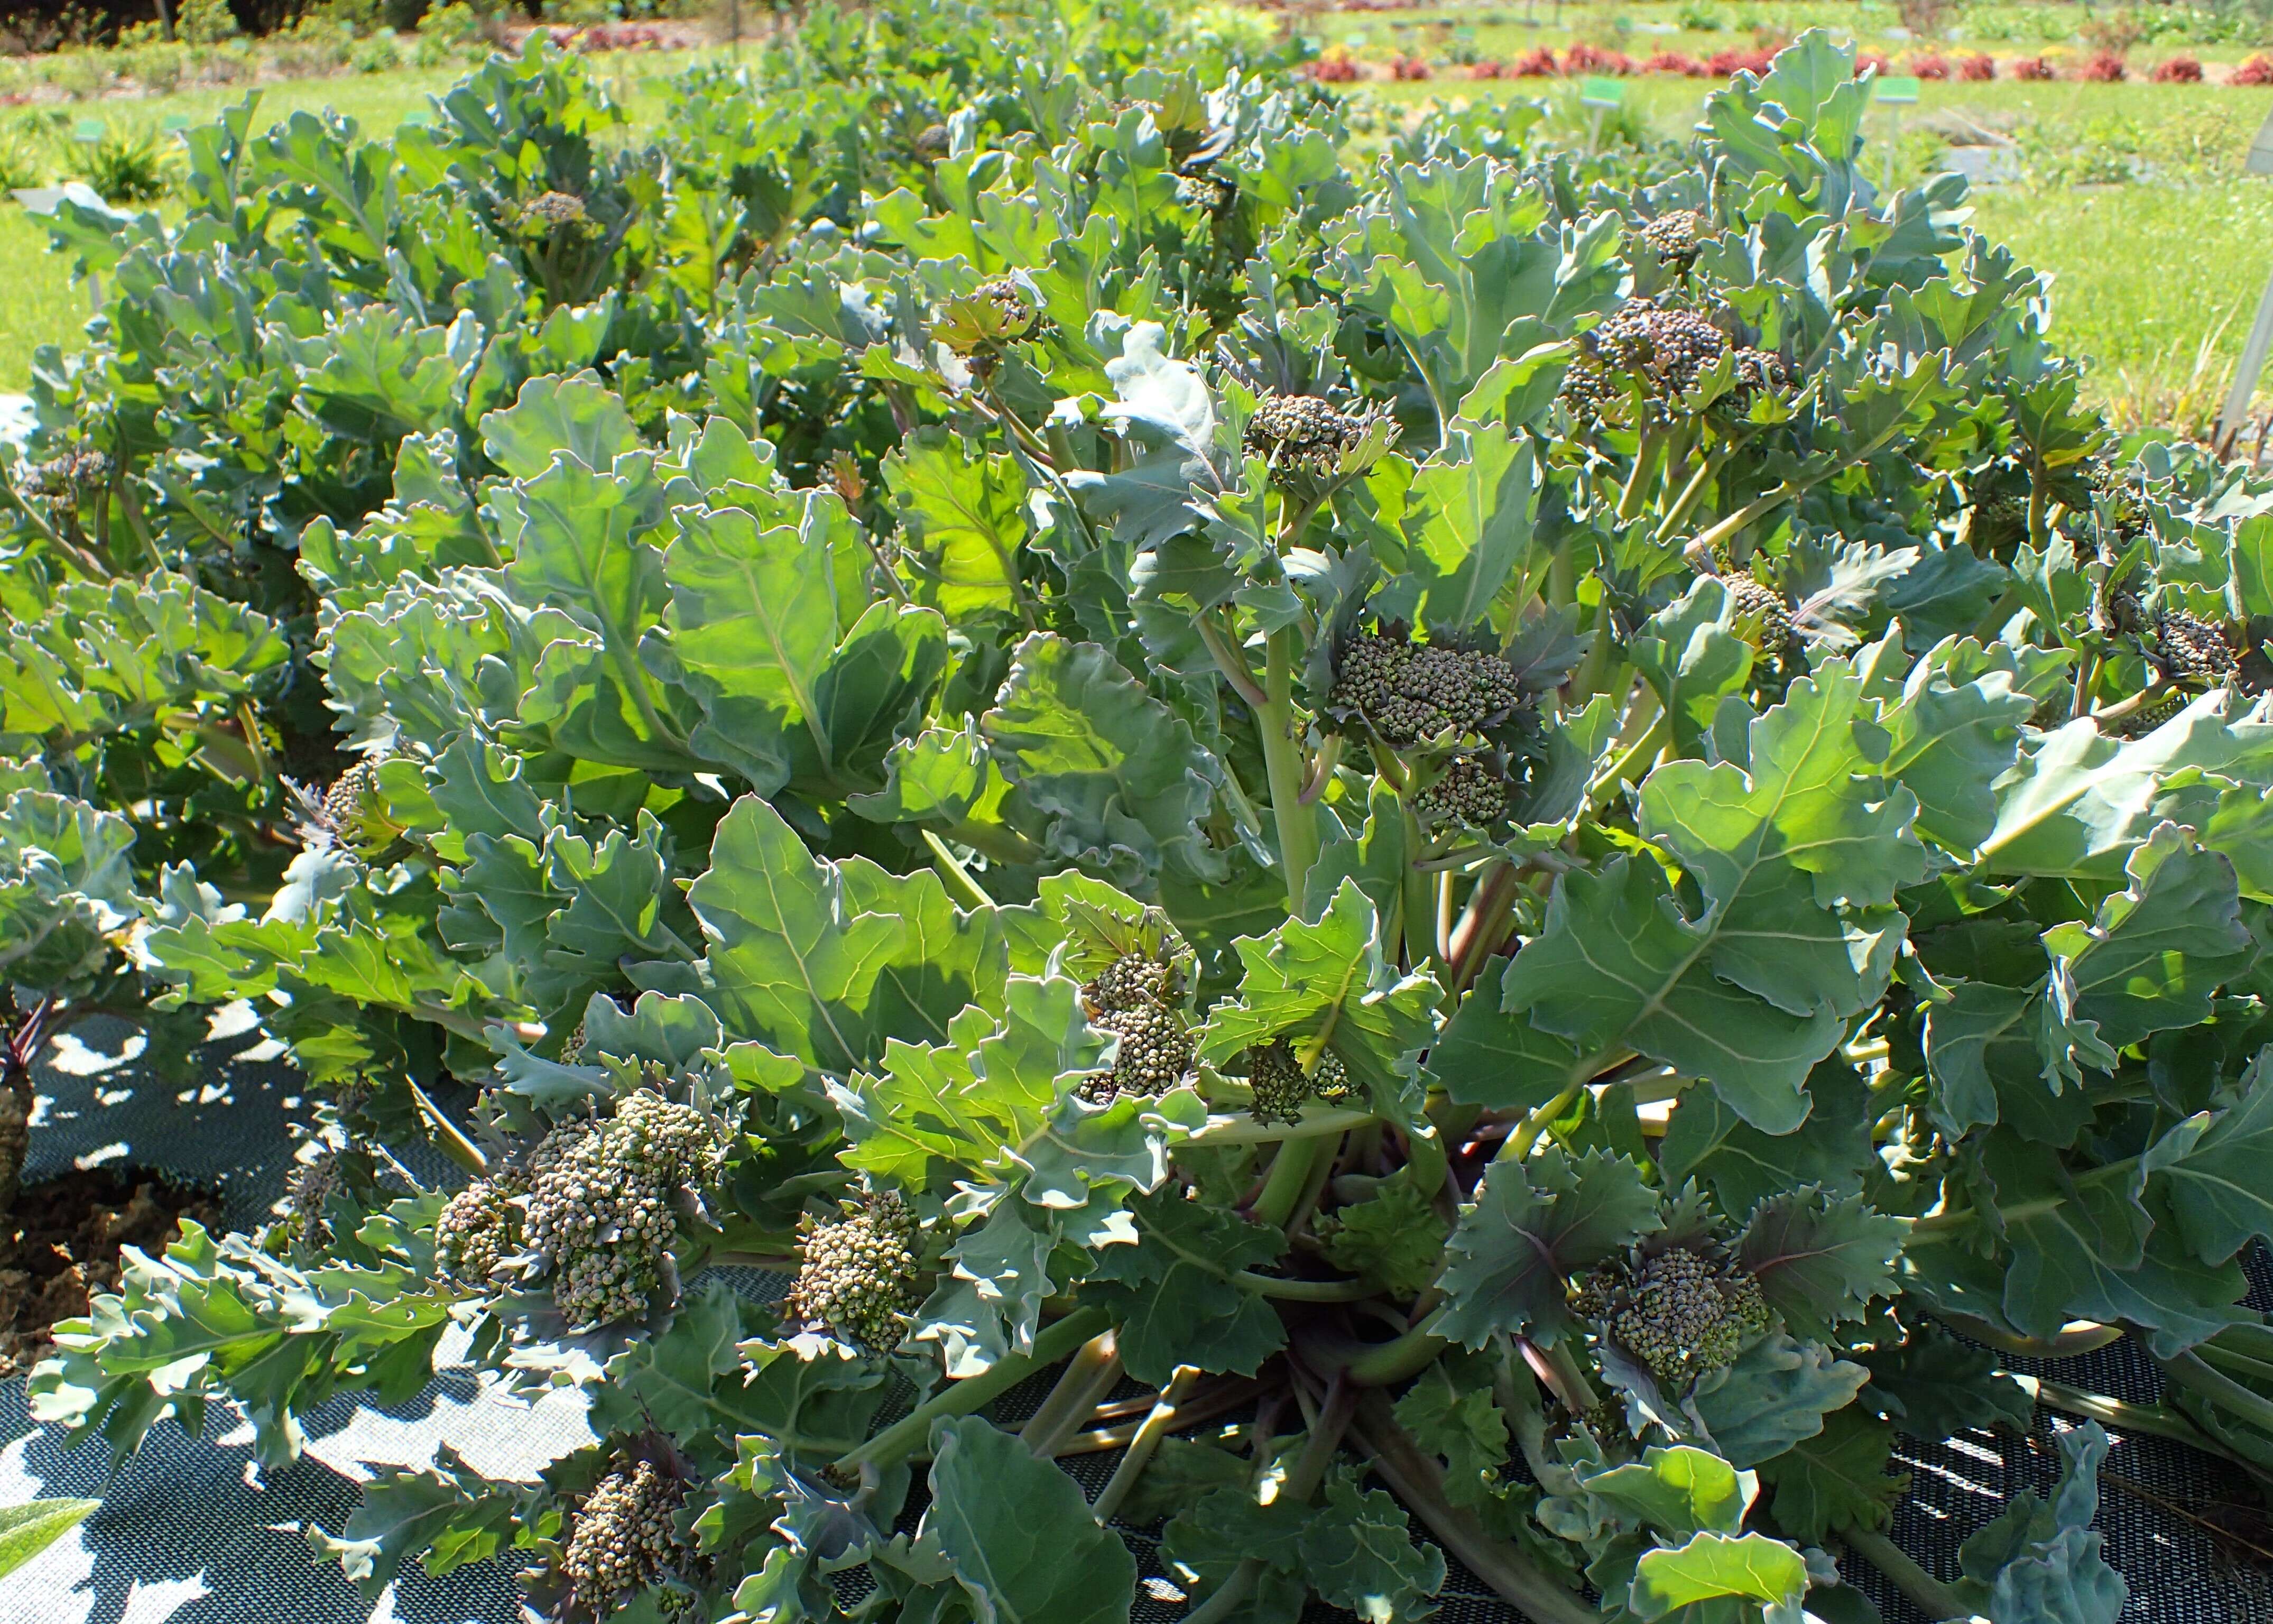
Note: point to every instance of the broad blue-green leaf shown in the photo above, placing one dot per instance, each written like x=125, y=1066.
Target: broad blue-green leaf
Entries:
x=1752, y=992
x=1805, y=796
x=1837, y=1479
x=1358, y=1553
x=988, y=1303
x=1776, y=1393
x=1679, y=1490
x=1019, y=1533
x=2213, y=1169
x=1620, y=969
x=1172, y=1294
x=1820, y=1260
x=448, y=1513
x=1690, y=653
x=1164, y=414
x=578, y=416
x=1468, y=524
x=1707, y=1142
x=2040, y=1563
x=1104, y=774
x=825, y=961
x=1486, y=1056
x=955, y=1106
x=2091, y=1249
x=2078, y=803
x=1948, y=742
x=755, y=627
x=2160, y=948
x=1330, y=980
x=1532, y=1225
x=963, y=522
x=1719, y=1567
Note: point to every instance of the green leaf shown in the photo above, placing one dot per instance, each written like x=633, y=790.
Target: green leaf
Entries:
x=2091, y=1249
x=1837, y=1479
x=1934, y=1385
x=755, y=627
x=1707, y=1142
x=449, y=1514
x=1182, y=1471
x=1717, y=1567
x=1468, y=524
x=1821, y=1260
x=1171, y=1294
x=2160, y=948
x=1679, y=1490
x=1357, y=1554
x=1206, y=1542
x=31, y=1528
x=1104, y=774
x=1805, y=796
x=824, y=960
x=1394, y=1239
x=2212, y=1170
x=1488, y=1057
x=963, y=520
x=989, y=1303
x=1948, y=742
x=1019, y=1533
x=1619, y=968
x=578, y=417
x=1333, y=982
x=1464, y=1425
x=2077, y=804
x=2041, y=1564
x=1753, y=991
x=1532, y=1225
x=955, y=1106
x=1776, y=1393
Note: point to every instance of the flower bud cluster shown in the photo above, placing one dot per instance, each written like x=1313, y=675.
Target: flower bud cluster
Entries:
x=1411, y=693
x=858, y=1274
x=624, y=1536
x=596, y=1208
x=1280, y=1087
x=1683, y=1311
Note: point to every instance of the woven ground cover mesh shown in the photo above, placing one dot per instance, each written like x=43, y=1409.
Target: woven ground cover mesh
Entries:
x=190, y=1532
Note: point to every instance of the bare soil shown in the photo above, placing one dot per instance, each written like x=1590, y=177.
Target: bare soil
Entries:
x=61, y=1243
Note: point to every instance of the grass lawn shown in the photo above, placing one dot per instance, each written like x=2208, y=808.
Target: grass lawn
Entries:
x=2130, y=195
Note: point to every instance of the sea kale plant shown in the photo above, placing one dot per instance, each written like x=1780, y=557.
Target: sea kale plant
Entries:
x=1544, y=842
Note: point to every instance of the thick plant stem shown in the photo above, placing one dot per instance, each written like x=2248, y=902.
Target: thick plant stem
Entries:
x=958, y=877
x=1282, y=759
x=1244, y=1130
x=1646, y=461
x=1415, y=1479
x=1087, y=1377
x=908, y=1434
x=448, y=1138
x=2247, y=1403
x=2152, y=1419
x=1393, y=1362
x=2080, y=1337
x=1289, y=1178
x=1926, y=1593
x=1718, y=536
x=1141, y=1447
